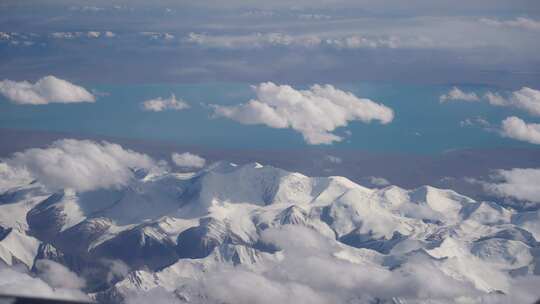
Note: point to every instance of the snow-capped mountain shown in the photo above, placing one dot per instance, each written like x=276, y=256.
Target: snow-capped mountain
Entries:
x=259, y=234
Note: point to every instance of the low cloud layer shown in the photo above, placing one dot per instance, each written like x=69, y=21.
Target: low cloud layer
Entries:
x=48, y=89
x=521, y=184
x=188, y=160
x=80, y=164
x=517, y=23
x=161, y=104
x=58, y=276
x=516, y=128
x=89, y=34
x=314, y=113
x=314, y=269
x=53, y=281
x=260, y=40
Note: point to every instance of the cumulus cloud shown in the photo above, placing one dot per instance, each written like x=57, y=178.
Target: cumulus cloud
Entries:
x=48, y=89
x=188, y=160
x=93, y=34
x=516, y=128
x=80, y=164
x=315, y=113
x=518, y=183
x=379, y=181
x=457, y=94
x=474, y=121
x=17, y=282
x=526, y=99
x=519, y=23
x=495, y=99
x=161, y=104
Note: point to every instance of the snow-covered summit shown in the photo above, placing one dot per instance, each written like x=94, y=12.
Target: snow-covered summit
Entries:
x=320, y=239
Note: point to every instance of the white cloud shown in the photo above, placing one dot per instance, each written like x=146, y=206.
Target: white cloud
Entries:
x=58, y=276
x=188, y=160
x=66, y=35
x=315, y=113
x=46, y=90
x=359, y=42
x=516, y=128
x=520, y=23
x=15, y=282
x=5, y=36
x=314, y=17
x=241, y=286
x=161, y=104
x=93, y=9
x=88, y=34
x=308, y=40
x=80, y=164
x=526, y=99
x=12, y=177
x=474, y=121
x=456, y=94
x=495, y=99
x=158, y=35
x=379, y=181
x=117, y=269
x=522, y=184
x=93, y=34
x=314, y=269
x=256, y=40
x=168, y=36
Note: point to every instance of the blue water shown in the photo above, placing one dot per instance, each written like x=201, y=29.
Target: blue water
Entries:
x=421, y=124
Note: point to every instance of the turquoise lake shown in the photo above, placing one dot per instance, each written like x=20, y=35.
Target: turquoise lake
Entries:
x=421, y=125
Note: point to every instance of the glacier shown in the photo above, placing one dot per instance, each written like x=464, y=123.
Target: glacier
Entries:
x=258, y=234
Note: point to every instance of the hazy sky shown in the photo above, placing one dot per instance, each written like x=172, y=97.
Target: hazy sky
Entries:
x=492, y=42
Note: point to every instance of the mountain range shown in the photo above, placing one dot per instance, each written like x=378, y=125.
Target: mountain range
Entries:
x=258, y=234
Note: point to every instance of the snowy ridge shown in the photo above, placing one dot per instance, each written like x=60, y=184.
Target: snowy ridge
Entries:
x=184, y=233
